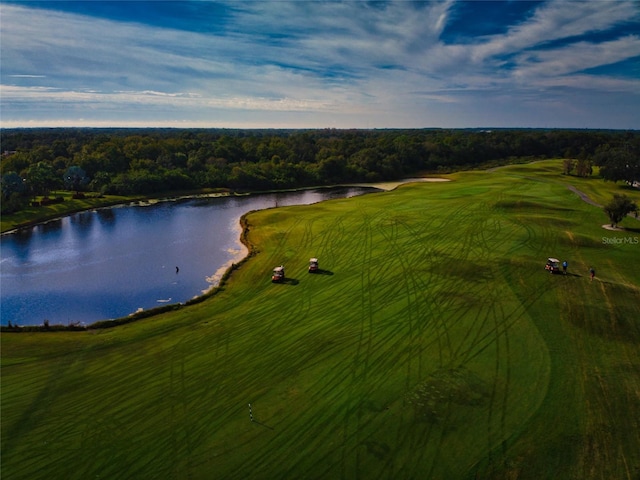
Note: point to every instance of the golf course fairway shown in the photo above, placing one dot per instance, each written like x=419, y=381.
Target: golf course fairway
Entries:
x=431, y=344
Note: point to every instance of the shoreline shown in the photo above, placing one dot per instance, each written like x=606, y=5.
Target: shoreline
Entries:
x=151, y=200
x=217, y=280
x=388, y=186
x=116, y=204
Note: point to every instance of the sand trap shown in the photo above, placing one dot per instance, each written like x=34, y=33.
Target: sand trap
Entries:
x=615, y=229
x=392, y=185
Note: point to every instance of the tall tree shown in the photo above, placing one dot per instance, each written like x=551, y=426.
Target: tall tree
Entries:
x=567, y=166
x=75, y=178
x=13, y=188
x=618, y=163
x=12, y=183
x=41, y=178
x=619, y=207
x=583, y=168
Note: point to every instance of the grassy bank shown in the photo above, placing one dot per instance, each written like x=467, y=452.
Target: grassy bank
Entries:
x=32, y=215
x=431, y=345
x=36, y=214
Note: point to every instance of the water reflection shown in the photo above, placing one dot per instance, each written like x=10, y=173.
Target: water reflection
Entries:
x=22, y=242
x=107, y=217
x=82, y=222
x=111, y=262
x=50, y=227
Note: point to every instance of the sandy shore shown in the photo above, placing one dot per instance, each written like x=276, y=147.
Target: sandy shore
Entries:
x=392, y=185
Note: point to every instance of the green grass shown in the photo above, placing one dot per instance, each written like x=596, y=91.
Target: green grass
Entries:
x=598, y=190
x=431, y=345
x=35, y=214
x=31, y=214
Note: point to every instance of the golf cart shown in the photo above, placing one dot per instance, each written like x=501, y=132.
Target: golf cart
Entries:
x=553, y=265
x=313, y=265
x=278, y=274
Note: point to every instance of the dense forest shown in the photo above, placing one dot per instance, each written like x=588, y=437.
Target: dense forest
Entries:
x=149, y=161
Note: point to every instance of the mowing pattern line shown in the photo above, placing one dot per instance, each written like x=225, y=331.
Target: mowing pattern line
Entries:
x=415, y=353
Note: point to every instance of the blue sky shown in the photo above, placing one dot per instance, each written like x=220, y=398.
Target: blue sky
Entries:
x=313, y=64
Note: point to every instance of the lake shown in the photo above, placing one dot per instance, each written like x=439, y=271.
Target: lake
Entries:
x=111, y=262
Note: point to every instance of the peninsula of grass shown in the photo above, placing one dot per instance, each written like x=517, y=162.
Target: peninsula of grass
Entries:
x=432, y=344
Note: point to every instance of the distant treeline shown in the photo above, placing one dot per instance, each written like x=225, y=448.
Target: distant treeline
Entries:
x=148, y=161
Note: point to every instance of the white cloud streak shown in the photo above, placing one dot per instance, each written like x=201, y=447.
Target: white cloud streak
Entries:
x=557, y=20
x=576, y=57
x=344, y=60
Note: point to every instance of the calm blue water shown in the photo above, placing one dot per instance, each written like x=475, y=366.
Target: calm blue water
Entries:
x=108, y=263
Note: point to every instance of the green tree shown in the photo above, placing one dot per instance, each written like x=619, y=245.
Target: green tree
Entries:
x=567, y=166
x=13, y=188
x=100, y=182
x=12, y=183
x=41, y=178
x=13, y=203
x=583, y=167
x=618, y=163
x=17, y=162
x=619, y=207
x=75, y=178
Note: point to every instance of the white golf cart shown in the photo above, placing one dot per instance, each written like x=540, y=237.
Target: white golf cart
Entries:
x=278, y=274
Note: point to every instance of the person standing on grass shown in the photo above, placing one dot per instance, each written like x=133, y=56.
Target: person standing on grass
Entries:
x=592, y=273
x=564, y=267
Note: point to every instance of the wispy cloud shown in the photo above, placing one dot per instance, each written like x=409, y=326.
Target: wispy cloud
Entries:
x=576, y=57
x=345, y=63
x=556, y=21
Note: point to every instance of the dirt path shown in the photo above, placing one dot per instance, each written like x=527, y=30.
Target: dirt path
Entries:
x=585, y=198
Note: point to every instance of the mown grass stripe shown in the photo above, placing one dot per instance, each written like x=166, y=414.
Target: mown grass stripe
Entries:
x=434, y=345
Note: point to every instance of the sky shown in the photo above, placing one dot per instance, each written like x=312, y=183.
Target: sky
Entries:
x=320, y=64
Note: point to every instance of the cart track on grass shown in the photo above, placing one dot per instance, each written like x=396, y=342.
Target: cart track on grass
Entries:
x=415, y=298
x=493, y=437
x=36, y=413
x=488, y=234
x=351, y=379
x=478, y=243
x=282, y=239
x=416, y=321
x=359, y=367
x=432, y=318
x=483, y=235
x=181, y=431
x=420, y=322
x=325, y=388
x=480, y=235
x=413, y=318
x=427, y=320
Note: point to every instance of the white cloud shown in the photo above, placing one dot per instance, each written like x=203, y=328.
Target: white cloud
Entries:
x=347, y=63
x=591, y=83
x=46, y=95
x=560, y=19
x=576, y=57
